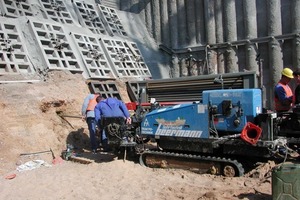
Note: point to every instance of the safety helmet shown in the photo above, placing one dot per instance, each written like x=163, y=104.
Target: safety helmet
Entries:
x=287, y=72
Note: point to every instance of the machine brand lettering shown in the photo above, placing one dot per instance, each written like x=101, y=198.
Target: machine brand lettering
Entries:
x=175, y=132
x=178, y=133
x=169, y=132
x=147, y=130
x=162, y=132
x=173, y=127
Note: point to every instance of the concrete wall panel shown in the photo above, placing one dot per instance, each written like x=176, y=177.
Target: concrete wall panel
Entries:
x=13, y=53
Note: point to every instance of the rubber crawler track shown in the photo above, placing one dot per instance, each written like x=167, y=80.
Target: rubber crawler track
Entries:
x=238, y=166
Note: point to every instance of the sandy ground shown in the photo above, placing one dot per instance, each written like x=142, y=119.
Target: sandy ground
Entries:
x=30, y=122
x=109, y=178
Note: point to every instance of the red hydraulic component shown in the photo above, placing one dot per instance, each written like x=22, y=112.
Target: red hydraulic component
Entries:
x=133, y=105
x=251, y=133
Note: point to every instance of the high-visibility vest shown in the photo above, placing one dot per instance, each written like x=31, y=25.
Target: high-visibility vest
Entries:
x=278, y=105
x=92, y=103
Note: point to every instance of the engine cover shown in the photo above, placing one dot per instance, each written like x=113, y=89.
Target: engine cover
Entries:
x=232, y=108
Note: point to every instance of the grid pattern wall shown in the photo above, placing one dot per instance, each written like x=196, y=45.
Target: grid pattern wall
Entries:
x=113, y=21
x=69, y=35
x=89, y=18
x=107, y=89
x=55, y=46
x=13, y=8
x=93, y=56
x=13, y=53
x=57, y=11
x=126, y=58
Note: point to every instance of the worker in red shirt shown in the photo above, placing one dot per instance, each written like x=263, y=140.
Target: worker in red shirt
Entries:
x=283, y=92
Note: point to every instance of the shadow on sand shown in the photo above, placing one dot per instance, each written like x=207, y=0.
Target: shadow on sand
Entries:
x=78, y=146
x=255, y=196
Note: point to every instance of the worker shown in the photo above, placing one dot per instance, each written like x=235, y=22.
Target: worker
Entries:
x=297, y=90
x=283, y=93
x=88, y=115
x=110, y=107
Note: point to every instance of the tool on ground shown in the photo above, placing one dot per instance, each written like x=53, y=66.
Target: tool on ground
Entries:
x=35, y=153
x=64, y=118
x=55, y=160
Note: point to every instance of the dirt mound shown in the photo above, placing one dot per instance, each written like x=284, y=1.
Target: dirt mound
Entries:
x=30, y=120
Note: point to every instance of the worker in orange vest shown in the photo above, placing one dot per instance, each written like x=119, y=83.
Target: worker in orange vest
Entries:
x=88, y=114
x=283, y=92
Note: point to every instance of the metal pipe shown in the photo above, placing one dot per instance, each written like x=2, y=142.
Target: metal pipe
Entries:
x=237, y=43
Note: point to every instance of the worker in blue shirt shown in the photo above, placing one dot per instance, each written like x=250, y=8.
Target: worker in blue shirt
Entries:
x=110, y=107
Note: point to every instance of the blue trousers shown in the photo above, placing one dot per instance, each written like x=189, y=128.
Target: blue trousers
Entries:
x=92, y=129
x=104, y=135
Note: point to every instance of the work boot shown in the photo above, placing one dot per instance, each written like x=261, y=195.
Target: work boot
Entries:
x=94, y=151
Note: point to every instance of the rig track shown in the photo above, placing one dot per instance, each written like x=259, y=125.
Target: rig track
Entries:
x=196, y=163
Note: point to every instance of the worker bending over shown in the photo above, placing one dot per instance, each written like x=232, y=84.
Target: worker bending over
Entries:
x=110, y=107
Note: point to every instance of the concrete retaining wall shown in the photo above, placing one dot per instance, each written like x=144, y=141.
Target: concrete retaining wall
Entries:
x=224, y=36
